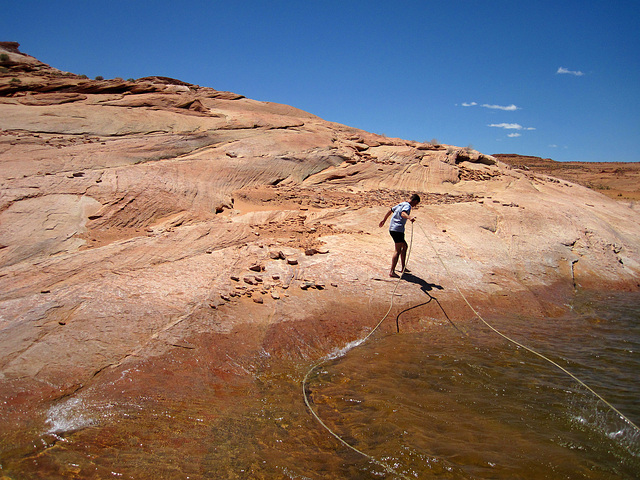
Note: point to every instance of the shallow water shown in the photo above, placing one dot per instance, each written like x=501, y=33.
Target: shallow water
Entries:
x=442, y=403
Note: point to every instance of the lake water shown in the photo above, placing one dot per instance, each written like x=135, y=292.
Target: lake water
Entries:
x=453, y=401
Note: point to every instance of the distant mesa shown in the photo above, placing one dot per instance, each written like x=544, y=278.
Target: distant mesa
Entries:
x=617, y=180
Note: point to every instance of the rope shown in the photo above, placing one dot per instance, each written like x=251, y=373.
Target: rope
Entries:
x=531, y=350
x=323, y=361
x=386, y=467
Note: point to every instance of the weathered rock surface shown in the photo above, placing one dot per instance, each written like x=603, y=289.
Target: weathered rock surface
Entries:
x=131, y=212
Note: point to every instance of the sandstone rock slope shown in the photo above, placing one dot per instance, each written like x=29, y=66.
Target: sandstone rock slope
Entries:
x=144, y=217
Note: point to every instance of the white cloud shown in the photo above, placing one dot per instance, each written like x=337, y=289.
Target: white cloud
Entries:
x=508, y=108
x=553, y=145
x=577, y=73
x=510, y=126
x=513, y=135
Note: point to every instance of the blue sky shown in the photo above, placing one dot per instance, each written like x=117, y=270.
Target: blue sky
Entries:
x=557, y=79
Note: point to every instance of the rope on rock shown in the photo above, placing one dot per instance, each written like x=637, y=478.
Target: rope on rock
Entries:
x=529, y=349
x=331, y=356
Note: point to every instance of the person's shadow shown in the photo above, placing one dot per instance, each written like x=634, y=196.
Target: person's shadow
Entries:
x=426, y=287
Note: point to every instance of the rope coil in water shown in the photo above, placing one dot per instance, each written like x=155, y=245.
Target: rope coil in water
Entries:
x=387, y=468
x=329, y=357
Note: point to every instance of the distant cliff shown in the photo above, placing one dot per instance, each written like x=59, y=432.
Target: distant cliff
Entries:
x=617, y=180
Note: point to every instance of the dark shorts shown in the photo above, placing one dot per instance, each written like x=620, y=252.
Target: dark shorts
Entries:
x=398, y=237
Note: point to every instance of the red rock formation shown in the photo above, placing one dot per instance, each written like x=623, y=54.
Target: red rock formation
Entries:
x=130, y=210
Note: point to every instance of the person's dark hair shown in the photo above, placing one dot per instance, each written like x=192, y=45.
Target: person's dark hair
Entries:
x=415, y=198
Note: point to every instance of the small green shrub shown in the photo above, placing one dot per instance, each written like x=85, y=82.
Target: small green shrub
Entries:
x=83, y=76
x=15, y=80
x=4, y=57
x=99, y=77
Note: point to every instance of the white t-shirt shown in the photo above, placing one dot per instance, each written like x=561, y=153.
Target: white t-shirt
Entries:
x=397, y=222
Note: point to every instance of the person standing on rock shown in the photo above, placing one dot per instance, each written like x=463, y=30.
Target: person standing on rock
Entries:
x=399, y=216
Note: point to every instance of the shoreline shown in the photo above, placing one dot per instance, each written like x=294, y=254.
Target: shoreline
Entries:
x=221, y=374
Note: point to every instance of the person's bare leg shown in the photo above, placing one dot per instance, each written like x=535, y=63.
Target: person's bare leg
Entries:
x=403, y=256
x=394, y=260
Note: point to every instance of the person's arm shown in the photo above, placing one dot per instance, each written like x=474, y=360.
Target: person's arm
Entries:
x=406, y=216
x=389, y=212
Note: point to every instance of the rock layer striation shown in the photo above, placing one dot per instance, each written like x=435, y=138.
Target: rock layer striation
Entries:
x=147, y=224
